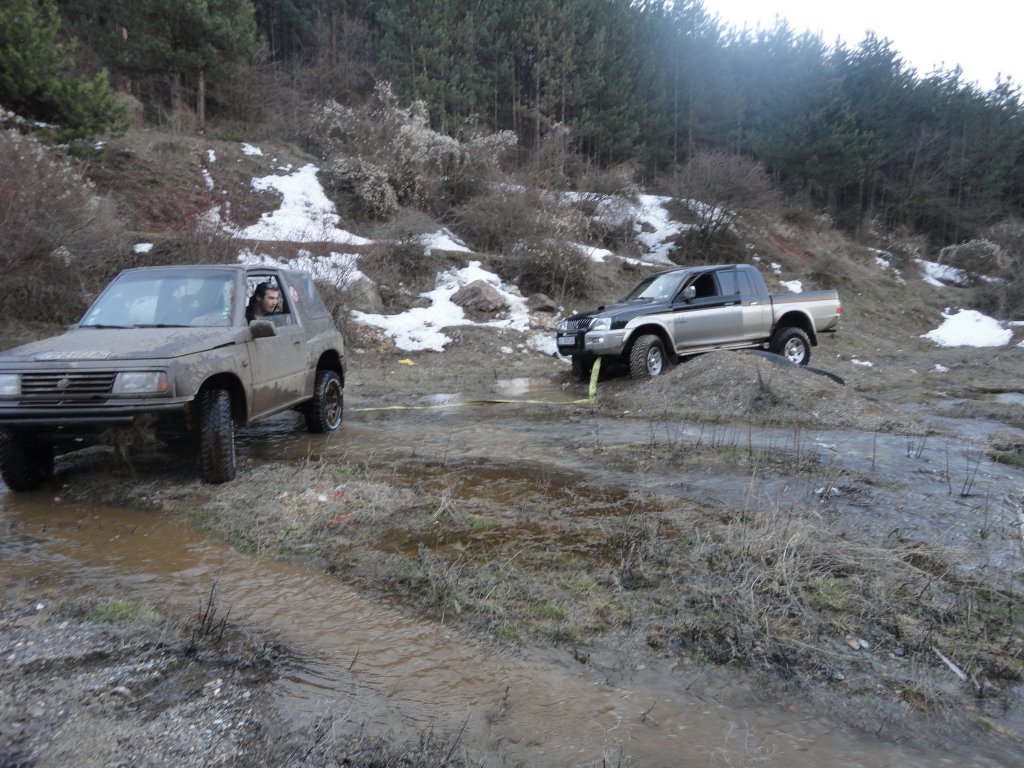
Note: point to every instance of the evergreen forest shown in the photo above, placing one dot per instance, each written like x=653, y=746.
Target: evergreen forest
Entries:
x=843, y=128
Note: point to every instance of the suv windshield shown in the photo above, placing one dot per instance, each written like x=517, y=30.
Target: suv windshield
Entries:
x=661, y=286
x=148, y=300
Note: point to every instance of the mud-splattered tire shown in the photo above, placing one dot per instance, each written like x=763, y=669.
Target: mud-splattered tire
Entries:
x=647, y=358
x=25, y=464
x=324, y=411
x=792, y=344
x=581, y=367
x=216, y=436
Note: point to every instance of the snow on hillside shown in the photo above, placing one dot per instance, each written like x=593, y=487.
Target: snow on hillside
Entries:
x=306, y=214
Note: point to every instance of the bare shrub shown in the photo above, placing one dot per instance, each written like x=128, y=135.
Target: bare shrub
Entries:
x=993, y=270
x=722, y=187
x=498, y=217
x=401, y=269
x=59, y=240
x=383, y=155
x=554, y=267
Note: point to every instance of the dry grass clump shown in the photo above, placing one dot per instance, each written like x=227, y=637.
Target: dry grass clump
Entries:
x=309, y=509
x=782, y=591
x=757, y=388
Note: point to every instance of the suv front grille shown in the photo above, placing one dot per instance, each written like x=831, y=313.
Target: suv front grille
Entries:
x=579, y=325
x=67, y=384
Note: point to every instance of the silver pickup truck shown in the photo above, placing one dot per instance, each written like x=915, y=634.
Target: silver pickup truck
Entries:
x=169, y=350
x=698, y=309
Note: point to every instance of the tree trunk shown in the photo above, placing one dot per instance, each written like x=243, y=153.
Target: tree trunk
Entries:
x=201, y=103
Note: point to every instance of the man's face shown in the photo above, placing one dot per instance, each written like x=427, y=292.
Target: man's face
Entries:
x=268, y=304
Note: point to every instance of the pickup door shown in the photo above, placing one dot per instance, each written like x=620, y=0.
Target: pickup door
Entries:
x=713, y=316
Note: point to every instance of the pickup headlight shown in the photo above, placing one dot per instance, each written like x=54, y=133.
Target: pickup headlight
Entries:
x=601, y=324
x=10, y=385
x=141, y=383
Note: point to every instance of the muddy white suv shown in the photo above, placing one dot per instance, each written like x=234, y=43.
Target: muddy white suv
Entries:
x=169, y=349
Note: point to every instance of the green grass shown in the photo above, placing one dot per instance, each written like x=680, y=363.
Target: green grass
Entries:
x=121, y=611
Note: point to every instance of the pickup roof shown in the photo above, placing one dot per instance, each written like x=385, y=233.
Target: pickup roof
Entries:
x=168, y=349
x=698, y=309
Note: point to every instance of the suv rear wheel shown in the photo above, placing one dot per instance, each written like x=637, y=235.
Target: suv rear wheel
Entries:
x=216, y=436
x=324, y=411
x=25, y=463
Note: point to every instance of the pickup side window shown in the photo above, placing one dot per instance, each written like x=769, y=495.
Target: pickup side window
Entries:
x=706, y=286
x=746, y=284
x=727, y=282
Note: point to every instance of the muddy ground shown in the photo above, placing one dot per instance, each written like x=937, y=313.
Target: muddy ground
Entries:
x=852, y=548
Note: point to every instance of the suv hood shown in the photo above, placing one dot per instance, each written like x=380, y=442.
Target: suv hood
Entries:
x=85, y=344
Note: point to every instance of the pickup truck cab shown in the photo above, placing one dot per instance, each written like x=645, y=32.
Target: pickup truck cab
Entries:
x=169, y=349
x=698, y=309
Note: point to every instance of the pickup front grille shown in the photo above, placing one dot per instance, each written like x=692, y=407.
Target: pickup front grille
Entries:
x=67, y=384
x=579, y=325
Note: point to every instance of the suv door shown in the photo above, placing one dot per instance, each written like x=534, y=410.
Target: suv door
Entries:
x=713, y=316
x=279, y=362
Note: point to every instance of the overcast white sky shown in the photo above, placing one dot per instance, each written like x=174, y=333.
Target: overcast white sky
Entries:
x=982, y=36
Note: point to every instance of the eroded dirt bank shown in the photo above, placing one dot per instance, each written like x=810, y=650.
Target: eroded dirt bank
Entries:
x=843, y=555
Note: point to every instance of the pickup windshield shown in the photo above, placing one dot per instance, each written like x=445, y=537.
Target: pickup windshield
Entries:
x=170, y=299
x=662, y=286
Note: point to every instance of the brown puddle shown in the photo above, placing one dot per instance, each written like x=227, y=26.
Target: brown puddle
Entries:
x=366, y=661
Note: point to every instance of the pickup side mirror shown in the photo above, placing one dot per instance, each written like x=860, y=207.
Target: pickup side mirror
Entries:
x=689, y=293
x=262, y=329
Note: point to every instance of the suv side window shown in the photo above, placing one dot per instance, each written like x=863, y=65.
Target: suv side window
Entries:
x=727, y=281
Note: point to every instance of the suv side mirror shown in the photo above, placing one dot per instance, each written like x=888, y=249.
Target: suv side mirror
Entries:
x=689, y=293
x=262, y=329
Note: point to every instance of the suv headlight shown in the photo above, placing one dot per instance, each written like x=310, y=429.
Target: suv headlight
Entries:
x=601, y=324
x=10, y=385
x=141, y=383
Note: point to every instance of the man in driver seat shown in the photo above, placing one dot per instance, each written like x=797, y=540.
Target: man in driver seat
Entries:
x=265, y=300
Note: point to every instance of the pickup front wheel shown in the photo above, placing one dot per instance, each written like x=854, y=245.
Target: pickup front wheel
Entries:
x=323, y=412
x=216, y=436
x=792, y=344
x=647, y=358
x=25, y=463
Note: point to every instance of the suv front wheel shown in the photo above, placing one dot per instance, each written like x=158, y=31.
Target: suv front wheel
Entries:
x=25, y=463
x=324, y=411
x=216, y=436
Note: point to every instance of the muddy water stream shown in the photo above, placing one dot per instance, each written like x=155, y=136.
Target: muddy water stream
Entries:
x=369, y=664
x=366, y=663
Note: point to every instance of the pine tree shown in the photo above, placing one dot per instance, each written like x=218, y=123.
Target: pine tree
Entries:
x=36, y=79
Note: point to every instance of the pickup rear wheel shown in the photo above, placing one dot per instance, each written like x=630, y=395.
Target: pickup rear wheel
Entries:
x=647, y=358
x=324, y=411
x=792, y=344
x=25, y=463
x=216, y=436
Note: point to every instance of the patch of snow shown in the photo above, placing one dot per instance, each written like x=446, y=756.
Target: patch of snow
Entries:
x=211, y=156
x=940, y=369
x=592, y=252
x=207, y=179
x=142, y=248
x=651, y=211
x=941, y=275
x=249, y=149
x=419, y=328
x=338, y=269
x=793, y=286
x=864, y=363
x=442, y=240
x=969, y=328
x=306, y=213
